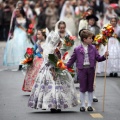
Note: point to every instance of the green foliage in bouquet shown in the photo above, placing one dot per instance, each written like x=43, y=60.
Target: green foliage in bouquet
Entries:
x=53, y=60
x=29, y=53
x=29, y=56
x=69, y=41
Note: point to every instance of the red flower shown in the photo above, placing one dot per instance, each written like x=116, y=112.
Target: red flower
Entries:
x=31, y=26
x=64, y=55
x=30, y=31
x=85, y=14
x=99, y=41
x=29, y=51
x=70, y=69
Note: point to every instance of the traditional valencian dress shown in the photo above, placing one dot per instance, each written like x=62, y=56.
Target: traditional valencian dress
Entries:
x=51, y=91
x=114, y=53
x=33, y=70
x=67, y=15
x=16, y=47
x=64, y=48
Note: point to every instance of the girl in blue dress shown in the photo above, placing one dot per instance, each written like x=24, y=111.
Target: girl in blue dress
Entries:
x=18, y=43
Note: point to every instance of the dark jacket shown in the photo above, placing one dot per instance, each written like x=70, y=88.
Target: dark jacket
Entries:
x=7, y=14
x=41, y=21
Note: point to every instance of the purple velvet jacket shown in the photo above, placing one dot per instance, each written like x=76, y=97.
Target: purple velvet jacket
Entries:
x=78, y=57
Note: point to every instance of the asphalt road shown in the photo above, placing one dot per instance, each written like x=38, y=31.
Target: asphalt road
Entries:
x=13, y=101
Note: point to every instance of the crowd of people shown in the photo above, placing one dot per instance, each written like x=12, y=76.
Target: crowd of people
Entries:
x=45, y=13
x=49, y=28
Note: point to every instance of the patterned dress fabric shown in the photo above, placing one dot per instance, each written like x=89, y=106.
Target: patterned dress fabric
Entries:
x=31, y=74
x=53, y=90
x=33, y=70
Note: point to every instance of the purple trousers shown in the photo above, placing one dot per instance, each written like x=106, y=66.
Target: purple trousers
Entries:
x=86, y=79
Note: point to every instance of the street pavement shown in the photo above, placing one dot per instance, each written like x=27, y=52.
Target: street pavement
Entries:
x=13, y=101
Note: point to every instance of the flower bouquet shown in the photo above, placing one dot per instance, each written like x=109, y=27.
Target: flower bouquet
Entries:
x=102, y=38
x=85, y=14
x=58, y=64
x=69, y=41
x=78, y=14
x=30, y=30
x=29, y=55
x=99, y=39
x=107, y=30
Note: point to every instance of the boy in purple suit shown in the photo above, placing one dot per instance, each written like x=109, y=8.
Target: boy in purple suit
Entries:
x=85, y=56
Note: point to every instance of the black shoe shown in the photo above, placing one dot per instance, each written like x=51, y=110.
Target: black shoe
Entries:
x=20, y=67
x=53, y=110
x=59, y=110
x=115, y=75
x=95, y=100
x=111, y=74
x=82, y=109
x=89, y=108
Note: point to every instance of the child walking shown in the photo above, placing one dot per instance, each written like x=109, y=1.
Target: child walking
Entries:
x=85, y=56
x=33, y=70
x=52, y=90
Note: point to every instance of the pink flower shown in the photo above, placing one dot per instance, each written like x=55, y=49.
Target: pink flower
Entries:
x=72, y=37
x=31, y=26
x=77, y=12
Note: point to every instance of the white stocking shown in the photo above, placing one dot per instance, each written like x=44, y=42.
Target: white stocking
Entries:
x=90, y=98
x=82, y=98
x=94, y=94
